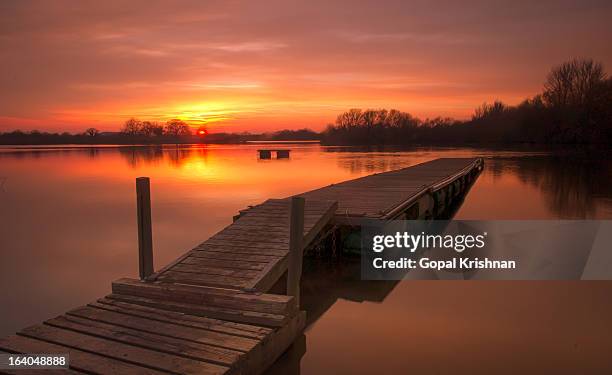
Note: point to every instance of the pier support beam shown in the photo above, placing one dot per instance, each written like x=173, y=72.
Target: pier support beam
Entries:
x=145, y=236
x=296, y=247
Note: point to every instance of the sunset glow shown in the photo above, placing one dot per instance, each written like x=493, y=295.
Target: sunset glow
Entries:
x=235, y=66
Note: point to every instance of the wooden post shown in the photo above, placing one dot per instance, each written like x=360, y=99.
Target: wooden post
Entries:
x=296, y=247
x=145, y=236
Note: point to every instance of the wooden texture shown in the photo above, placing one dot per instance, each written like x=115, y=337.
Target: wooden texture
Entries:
x=80, y=360
x=253, y=252
x=145, y=332
x=145, y=234
x=376, y=195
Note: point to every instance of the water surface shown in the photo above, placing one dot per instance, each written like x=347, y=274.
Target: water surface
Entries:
x=68, y=227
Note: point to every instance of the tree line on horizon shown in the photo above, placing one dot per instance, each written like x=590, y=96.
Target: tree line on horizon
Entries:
x=132, y=131
x=174, y=128
x=134, y=127
x=574, y=107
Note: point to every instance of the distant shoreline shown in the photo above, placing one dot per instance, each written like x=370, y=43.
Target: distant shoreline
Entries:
x=116, y=138
x=484, y=146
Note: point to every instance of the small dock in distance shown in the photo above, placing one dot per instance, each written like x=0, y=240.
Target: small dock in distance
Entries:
x=212, y=310
x=280, y=153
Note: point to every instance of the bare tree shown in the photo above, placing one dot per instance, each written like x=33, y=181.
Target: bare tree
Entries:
x=486, y=110
x=152, y=128
x=92, y=132
x=176, y=127
x=573, y=84
x=132, y=127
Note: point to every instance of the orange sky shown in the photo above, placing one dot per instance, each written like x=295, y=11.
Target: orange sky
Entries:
x=268, y=65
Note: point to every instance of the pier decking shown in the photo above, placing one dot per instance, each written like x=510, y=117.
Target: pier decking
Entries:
x=384, y=195
x=251, y=253
x=208, y=312
x=154, y=328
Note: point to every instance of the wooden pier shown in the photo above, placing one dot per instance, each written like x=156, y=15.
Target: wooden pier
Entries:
x=211, y=311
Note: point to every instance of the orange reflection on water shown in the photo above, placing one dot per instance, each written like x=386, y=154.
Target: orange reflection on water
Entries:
x=68, y=227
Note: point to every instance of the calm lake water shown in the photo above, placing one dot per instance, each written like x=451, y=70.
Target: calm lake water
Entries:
x=68, y=227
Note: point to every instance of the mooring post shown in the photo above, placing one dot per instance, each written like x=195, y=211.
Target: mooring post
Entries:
x=296, y=247
x=145, y=236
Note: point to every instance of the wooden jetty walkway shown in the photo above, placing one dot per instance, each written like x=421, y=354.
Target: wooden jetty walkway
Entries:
x=211, y=311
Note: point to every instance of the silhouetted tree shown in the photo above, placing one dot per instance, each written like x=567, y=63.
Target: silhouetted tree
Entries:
x=92, y=132
x=132, y=127
x=371, y=126
x=575, y=107
x=176, y=127
x=152, y=128
x=490, y=111
x=573, y=84
x=578, y=94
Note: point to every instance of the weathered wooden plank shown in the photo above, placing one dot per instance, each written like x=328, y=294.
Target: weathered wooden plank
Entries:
x=284, y=202
x=253, y=224
x=281, y=212
x=241, y=250
x=276, y=220
x=205, y=336
x=236, y=329
x=232, y=282
x=233, y=315
x=240, y=228
x=166, y=344
x=190, y=268
x=279, y=217
x=224, y=263
x=249, y=243
x=143, y=357
x=269, y=238
x=80, y=360
x=210, y=254
x=268, y=303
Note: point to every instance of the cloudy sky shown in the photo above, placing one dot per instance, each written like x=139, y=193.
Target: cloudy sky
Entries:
x=265, y=65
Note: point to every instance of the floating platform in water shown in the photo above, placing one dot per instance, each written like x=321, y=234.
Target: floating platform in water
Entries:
x=280, y=153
